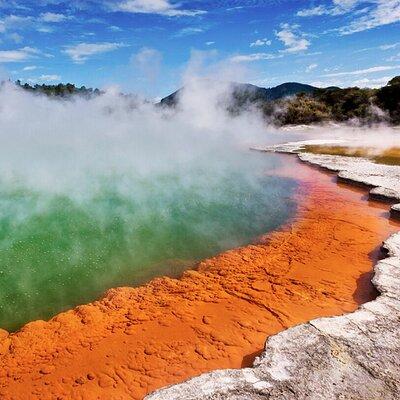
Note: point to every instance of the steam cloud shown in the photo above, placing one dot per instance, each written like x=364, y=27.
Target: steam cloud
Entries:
x=112, y=191
x=53, y=144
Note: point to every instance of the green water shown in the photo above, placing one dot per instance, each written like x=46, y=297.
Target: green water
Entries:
x=60, y=250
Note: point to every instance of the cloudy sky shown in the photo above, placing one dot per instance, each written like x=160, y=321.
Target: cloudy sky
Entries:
x=146, y=45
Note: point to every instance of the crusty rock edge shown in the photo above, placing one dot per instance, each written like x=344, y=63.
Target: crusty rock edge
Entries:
x=354, y=356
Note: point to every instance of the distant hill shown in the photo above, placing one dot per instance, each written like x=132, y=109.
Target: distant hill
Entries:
x=289, y=89
x=249, y=94
x=291, y=103
x=295, y=103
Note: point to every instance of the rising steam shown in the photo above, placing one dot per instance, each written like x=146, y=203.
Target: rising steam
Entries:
x=112, y=191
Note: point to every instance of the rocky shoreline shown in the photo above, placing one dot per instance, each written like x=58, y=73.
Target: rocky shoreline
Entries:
x=348, y=357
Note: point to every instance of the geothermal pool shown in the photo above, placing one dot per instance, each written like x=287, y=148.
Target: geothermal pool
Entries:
x=63, y=248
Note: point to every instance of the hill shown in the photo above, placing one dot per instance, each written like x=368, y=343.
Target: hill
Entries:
x=295, y=103
x=291, y=103
x=245, y=93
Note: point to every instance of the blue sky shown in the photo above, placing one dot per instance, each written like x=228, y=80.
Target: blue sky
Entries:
x=146, y=45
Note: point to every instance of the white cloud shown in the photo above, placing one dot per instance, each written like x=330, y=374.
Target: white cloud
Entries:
x=160, y=7
x=389, y=46
x=373, y=82
x=235, y=8
x=209, y=43
x=253, y=57
x=375, y=13
x=338, y=7
x=384, y=13
x=44, y=78
x=45, y=29
x=83, y=51
x=148, y=61
x=364, y=71
x=293, y=40
x=370, y=82
x=23, y=54
x=324, y=84
x=15, y=22
x=396, y=57
x=311, y=67
x=30, y=68
x=312, y=12
x=53, y=17
x=114, y=28
x=49, y=78
x=261, y=42
x=191, y=30
x=17, y=38
x=13, y=56
x=332, y=69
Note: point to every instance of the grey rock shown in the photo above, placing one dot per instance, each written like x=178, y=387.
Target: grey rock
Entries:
x=355, y=356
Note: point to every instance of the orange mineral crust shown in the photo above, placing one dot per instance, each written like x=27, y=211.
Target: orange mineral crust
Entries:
x=136, y=340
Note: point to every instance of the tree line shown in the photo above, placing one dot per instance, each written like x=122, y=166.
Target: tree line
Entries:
x=60, y=90
x=365, y=106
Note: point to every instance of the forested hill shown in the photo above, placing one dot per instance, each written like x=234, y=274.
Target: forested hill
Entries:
x=296, y=103
x=245, y=93
x=286, y=104
x=361, y=106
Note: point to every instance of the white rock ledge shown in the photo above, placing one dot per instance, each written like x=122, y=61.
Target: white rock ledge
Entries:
x=355, y=356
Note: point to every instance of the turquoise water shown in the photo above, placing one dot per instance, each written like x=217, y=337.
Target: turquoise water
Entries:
x=58, y=250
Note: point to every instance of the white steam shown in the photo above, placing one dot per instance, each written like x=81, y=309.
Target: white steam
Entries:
x=51, y=144
x=377, y=138
x=57, y=145
x=112, y=191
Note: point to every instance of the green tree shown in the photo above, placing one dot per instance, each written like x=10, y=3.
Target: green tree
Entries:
x=388, y=98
